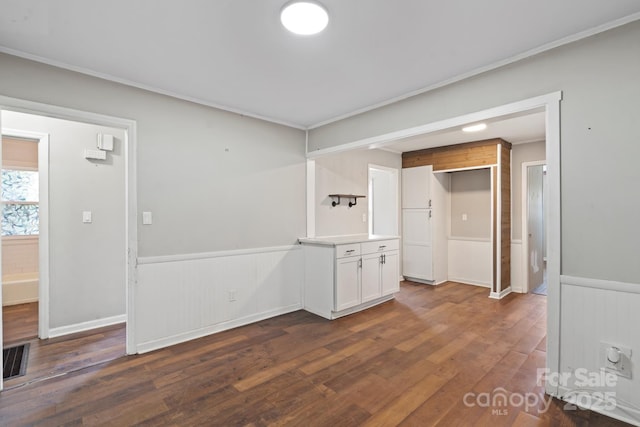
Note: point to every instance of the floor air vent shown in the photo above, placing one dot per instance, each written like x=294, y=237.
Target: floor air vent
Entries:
x=15, y=361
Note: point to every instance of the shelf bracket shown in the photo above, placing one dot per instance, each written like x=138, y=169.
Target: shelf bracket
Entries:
x=337, y=199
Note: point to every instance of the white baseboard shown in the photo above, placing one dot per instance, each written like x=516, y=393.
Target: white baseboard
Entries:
x=470, y=282
x=501, y=294
x=348, y=311
x=187, y=336
x=86, y=326
x=20, y=292
x=423, y=281
x=621, y=412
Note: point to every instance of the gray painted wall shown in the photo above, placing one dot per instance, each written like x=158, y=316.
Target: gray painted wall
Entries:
x=213, y=180
x=599, y=139
x=470, y=194
x=347, y=173
x=521, y=153
x=87, y=261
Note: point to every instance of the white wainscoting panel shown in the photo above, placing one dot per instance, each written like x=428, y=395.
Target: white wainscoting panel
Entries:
x=517, y=280
x=20, y=255
x=470, y=261
x=20, y=288
x=188, y=298
x=594, y=311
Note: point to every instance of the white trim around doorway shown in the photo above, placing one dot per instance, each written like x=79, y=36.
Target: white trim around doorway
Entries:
x=551, y=103
x=130, y=245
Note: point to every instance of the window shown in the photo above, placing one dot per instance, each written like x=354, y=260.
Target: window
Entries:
x=20, y=203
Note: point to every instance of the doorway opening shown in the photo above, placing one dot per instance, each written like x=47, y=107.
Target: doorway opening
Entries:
x=78, y=315
x=534, y=221
x=20, y=233
x=549, y=105
x=383, y=200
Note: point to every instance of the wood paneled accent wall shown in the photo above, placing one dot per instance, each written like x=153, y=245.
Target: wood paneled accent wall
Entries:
x=460, y=156
x=505, y=214
x=494, y=154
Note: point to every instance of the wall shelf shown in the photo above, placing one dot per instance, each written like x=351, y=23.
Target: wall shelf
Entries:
x=345, y=196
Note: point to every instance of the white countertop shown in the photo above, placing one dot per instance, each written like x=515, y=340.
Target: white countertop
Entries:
x=344, y=240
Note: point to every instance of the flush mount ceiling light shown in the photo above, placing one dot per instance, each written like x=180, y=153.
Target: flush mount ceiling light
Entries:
x=304, y=17
x=475, y=128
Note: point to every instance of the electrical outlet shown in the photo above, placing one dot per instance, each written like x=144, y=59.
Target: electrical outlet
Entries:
x=232, y=295
x=616, y=359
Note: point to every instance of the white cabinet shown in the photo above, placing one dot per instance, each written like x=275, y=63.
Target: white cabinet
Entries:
x=343, y=279
x=424, y=251
x=390, y=273
x=348, y=273
x=371, y=288
x=417, y=244
x=416, y=187
x=380, y=269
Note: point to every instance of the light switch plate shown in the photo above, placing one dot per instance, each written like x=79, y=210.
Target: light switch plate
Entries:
x=86, y=217
x=147, y=218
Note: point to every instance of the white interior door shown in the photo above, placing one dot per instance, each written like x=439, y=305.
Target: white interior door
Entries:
x=383, y=201
x=535, y=226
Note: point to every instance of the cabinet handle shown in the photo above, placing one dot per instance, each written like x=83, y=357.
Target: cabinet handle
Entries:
x=350, y=250
x=384, y=258
x=360, y=263
x=382, y=247
x=429, y=214
x=429, y=202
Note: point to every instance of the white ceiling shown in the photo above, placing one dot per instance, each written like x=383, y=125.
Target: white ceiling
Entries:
x=516, y=129
x=236, y=55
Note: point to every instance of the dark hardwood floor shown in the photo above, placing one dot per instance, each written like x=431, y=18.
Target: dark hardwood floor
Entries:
x=407, y=362
x=57, y=356
x=20, y=323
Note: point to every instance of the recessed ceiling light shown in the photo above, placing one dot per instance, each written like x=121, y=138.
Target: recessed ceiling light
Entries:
x=475, y=128
x=304, y=17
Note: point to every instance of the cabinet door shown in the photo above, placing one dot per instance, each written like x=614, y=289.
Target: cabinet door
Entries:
x=417, y=259
x=416, y=187
x=416, y=226
x=390, y=275
x=371, y=264
x=417, y=262
x=347, y=283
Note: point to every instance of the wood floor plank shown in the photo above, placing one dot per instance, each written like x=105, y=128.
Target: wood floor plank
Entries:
x=527, y=420
x=267, y=374
x=20, y=323
x=333, y=358
x=421, y=338
x=404, y=405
